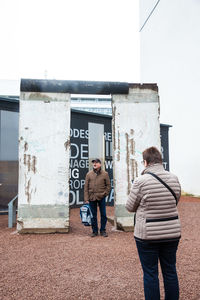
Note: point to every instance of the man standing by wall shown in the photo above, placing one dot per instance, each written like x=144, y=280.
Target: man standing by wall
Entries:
x=97, y=187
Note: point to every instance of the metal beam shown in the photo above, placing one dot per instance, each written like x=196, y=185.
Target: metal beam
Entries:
x=74, y=87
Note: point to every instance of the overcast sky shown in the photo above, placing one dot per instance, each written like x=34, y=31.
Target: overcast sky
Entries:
x=70, y=39
x=99, y=40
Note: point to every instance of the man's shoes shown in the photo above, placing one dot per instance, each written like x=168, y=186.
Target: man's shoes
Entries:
x=94, y=234
x=104, y=233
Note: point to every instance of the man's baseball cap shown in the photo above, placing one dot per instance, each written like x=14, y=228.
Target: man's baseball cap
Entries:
x=97, y=160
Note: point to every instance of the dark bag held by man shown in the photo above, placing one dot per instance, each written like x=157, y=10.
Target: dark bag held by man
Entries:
x=166, y=185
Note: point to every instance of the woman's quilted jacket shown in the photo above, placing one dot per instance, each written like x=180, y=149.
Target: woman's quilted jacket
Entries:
x=155, y=206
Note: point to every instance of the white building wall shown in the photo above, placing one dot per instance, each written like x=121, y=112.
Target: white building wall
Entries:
x=170, y=46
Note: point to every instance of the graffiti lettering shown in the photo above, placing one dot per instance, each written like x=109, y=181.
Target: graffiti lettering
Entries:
x=81, y=150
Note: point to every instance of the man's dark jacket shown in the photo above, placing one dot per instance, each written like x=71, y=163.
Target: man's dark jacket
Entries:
x=97, y=185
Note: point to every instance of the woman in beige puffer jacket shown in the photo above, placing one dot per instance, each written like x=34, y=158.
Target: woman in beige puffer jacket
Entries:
x=157, y=227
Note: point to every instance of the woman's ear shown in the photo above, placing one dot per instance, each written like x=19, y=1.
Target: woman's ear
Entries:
x=145, y=163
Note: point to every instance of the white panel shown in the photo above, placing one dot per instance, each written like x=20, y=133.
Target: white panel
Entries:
x=96, y=142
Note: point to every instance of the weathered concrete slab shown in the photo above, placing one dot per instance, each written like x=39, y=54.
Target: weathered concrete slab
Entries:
x=44, y=144
x=135, y=127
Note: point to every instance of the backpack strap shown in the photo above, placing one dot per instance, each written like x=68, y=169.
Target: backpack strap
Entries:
x=166, y=185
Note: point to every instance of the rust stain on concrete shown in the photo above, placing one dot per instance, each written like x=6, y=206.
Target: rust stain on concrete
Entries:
x=113, y=126
x=29, y=162
x=33, y=165
x=136, y=168
x=25, y=146
x=132, y=146
x=132, y=169
x=24, y=159
x=132, y=152
x=39, y=96
x=27, y=190
x=118, y=154
x=67, y=144
x=133, y=163
x=127, y=162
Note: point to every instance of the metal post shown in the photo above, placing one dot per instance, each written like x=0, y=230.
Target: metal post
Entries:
x=12, y=211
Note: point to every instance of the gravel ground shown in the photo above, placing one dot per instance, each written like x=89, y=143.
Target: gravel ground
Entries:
x=76, y=266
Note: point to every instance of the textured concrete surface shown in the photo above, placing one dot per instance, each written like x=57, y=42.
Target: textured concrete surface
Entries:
x=44, y=147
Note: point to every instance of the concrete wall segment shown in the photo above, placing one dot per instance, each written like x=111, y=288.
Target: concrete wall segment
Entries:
x=44, y=145
x=135, y=127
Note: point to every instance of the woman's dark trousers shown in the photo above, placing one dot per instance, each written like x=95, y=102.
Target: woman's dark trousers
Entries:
x=150, y=254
